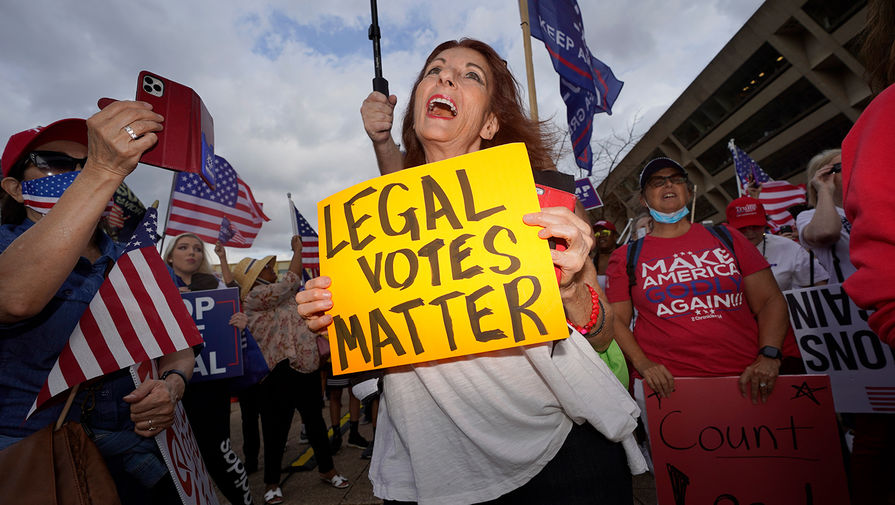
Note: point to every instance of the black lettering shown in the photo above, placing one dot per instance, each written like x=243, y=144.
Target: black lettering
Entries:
x=404, y=308
x=328, y=231
x=469, y=203
x=794, y=431
x=412, y=269
x=377, y=321
x=758, y=430
x=490, y=236
x=879, y=356
x=511, y=289
x=430, y=252
x=411, y=223
x=458, y=255
x=476, y=315
x=351, y=339
x=665, y=440
x=821, y=363
x=431, y=191
x=843, y=350
x=821, y=315
x=441, y=301
x=729, y=498
x=372, y=276
x=743, y=439
x=710, y=429
x=799, y=311
x=840, y=305
x=353, y=223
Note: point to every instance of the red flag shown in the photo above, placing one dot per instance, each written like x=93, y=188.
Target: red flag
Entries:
x=136, y=315
x=309, y=243
x=777, y=197
x=195, y=208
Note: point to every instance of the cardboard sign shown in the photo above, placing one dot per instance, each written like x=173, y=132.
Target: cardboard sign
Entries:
x=584, y=191
x=435, y=262
x=712, y=446
x=179, y=449
x=834, y=339
x=222, y=355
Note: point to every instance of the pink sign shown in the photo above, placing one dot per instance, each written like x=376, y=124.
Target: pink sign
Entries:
x=179, y=450
x=710, y=446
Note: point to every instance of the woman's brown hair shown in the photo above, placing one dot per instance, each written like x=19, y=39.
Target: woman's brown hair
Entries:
x=506, y=104
x=878, y=45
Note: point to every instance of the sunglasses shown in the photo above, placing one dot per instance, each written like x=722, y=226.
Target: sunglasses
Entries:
x=52, y=161
x=657, y=181
x=837, y=167
x=603, y=233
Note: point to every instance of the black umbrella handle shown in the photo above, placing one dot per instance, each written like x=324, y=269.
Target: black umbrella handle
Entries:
x=379, y=83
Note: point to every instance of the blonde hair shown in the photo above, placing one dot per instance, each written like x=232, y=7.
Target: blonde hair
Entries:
x=819, y=161
x=204, y=266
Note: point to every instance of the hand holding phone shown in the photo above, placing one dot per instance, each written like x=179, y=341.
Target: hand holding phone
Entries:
x=552, y=197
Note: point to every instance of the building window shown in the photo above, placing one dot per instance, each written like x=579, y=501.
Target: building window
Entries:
x=799, y=100
x=761, y=68
x=830, y=14
x=792, y=160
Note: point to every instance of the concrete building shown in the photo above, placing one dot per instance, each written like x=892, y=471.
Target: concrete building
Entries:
x=786, y=86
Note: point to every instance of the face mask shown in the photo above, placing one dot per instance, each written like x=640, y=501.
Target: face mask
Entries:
x=43, y=193
x=662, y=217
x=641, y=232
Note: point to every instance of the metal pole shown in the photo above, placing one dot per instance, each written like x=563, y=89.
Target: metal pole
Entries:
x=529, y=69
x=379, y=83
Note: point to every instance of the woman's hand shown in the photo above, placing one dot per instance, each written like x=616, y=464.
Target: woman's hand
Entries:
x=561, y=223
x=110, y=148
x=239, y=320
x=221, y=252
x=378, y=112
x=152, y=406
x=824, y=179
x=314, y=301
x=657, y=377
x=761, y=376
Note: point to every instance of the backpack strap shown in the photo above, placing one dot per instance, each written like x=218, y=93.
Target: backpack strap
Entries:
x=723, y=235
x=631, y=264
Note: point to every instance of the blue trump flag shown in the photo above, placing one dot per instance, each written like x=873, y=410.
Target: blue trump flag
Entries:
x=587, y=85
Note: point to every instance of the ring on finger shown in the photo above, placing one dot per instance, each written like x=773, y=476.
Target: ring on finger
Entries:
x=130, y=131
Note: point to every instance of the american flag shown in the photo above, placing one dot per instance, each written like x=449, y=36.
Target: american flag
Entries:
x=195, y=208
x=136, y=315
x=229, y=235
x=776, y=196
x=309, y=253
x=43, y=193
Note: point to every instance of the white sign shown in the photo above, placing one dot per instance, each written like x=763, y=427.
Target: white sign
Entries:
x=834, y=339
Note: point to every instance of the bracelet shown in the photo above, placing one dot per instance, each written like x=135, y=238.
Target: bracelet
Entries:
x=596, y=310
x=599, y=328
x=174, y=371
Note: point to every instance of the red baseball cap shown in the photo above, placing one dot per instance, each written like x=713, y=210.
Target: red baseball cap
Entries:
x=73, y=129
x=606, y=225
x=746, y=211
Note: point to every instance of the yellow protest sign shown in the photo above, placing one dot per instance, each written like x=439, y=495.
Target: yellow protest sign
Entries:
x=435, y=262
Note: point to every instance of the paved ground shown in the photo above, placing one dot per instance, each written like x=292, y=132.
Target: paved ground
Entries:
x=305, y=487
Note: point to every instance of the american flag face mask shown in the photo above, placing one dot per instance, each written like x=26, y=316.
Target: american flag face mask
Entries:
x=43, y=193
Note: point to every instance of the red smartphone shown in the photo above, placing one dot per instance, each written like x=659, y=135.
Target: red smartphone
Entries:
x=186, y=144
x=552, y=197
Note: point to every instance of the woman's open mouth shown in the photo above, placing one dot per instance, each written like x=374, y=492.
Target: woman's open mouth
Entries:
x=441, y=107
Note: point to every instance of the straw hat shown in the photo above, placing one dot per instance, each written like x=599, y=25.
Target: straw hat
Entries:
x=247, y=271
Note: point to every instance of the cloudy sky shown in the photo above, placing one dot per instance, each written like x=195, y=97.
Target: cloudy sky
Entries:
x=284, y=80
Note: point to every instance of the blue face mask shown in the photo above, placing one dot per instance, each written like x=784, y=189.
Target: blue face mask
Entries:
x=43, y=193
x=662, y=217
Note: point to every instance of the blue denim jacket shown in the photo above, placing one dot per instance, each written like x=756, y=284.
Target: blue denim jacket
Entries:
x=29, y=348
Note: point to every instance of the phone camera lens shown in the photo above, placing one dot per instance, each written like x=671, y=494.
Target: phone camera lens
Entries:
x=147, y=79
x=147, y=88
x=157, y=87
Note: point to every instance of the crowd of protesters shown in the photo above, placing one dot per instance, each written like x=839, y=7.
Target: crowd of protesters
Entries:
x=521, y=434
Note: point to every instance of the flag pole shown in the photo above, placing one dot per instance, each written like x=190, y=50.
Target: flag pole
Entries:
x=693, y=207
x=292, y=214
x=529, y=69
x=731, y=146
x=624, y=233
x=161, y=240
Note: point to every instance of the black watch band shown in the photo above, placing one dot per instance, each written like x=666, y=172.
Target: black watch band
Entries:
x=175, y=372
x=770, y=352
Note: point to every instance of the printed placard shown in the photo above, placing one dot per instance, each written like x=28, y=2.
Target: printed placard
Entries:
x=712, y=446
x=179, y=449
x=435, y=262
x=222, y=355
x=835, y=339
x=585, y=192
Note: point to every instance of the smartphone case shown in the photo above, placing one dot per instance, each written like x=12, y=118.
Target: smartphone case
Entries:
x=552, y=197
x=186, y=144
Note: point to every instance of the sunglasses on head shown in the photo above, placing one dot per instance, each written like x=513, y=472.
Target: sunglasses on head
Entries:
x=55, y=161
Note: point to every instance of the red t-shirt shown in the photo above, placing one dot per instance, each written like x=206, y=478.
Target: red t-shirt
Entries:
x=692, y=315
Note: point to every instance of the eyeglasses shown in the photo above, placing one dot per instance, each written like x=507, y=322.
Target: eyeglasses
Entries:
x=53, y=161
x=603, y=233
x=657, y=181
x=837, y=167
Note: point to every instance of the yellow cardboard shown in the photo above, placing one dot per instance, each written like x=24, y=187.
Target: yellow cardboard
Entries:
x=434, y=262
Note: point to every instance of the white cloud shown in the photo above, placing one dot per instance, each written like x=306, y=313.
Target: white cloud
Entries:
x=287, y=118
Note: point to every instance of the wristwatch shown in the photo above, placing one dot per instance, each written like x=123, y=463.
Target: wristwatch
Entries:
x=770, y=352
